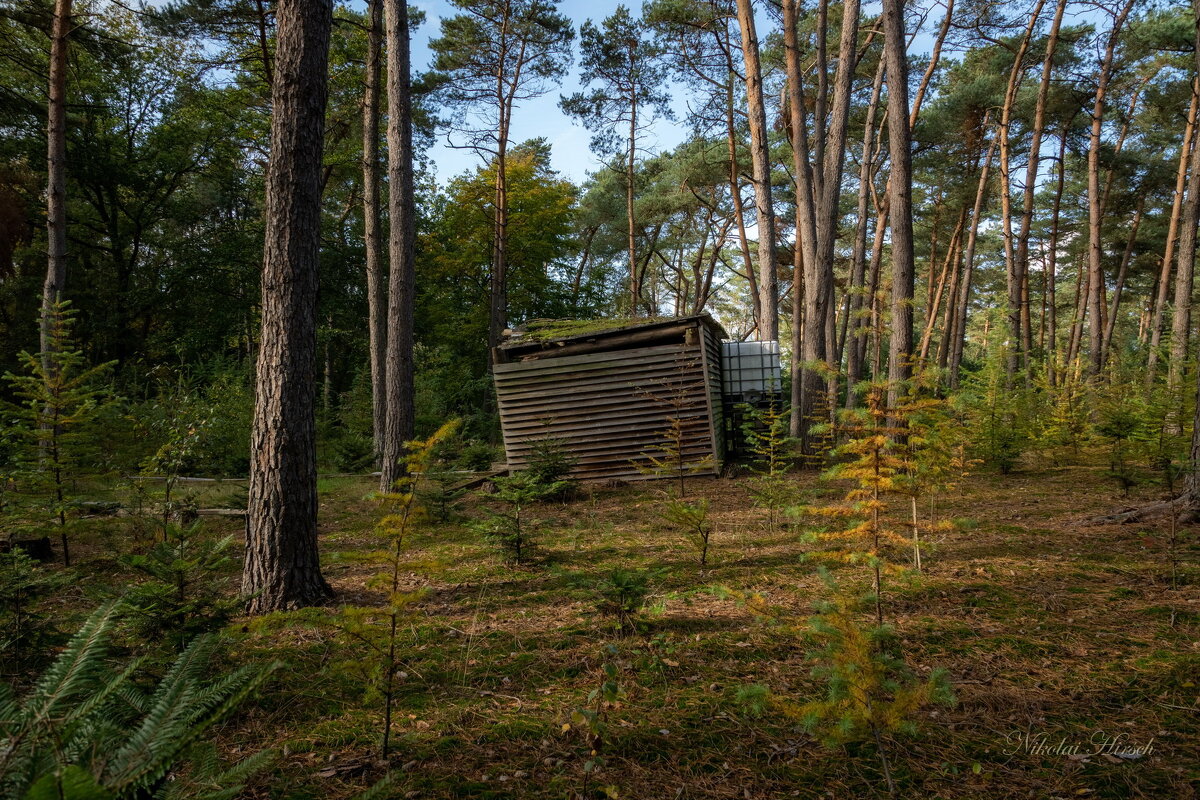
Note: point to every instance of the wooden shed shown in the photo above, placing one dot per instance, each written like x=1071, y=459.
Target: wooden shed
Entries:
x=610, y=391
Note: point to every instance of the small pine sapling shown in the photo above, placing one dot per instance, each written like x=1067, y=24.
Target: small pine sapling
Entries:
x=179, y=422
x=1121, y=425
x=512, y=529
x=670, y=456
x=403, y=514
x=621, y=595
x=24, y=629
x=183, y=596
x=440, y=493
x=691, y=517
x=870, y=693
x=57, y=397
x=550, y=462
x=766, y=433
x=873, y=464
x=927, y=456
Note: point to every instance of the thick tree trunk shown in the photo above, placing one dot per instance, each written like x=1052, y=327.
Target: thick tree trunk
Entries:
x=376, y=297
x=811, y=321
x=768, y=278
x=56, y=177
x=1181, y=319
x=282, y=568
x=1164, y=276
x=401, y=241
x=900, y=347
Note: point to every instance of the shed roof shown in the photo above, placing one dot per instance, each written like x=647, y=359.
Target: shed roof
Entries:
x=551, y=337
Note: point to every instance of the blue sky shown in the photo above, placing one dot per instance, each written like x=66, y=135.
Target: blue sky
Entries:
x=540, y=117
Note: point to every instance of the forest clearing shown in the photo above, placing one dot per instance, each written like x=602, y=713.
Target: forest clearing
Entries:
x=569, y=400
x=1050, y=630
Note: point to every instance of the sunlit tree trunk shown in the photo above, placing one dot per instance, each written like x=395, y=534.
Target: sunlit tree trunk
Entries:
x=1095, y=295
x=376, y=296
x=760, y=157
x=282, y=567
x=401, y=241
x=1164, y=276
x=900, y=347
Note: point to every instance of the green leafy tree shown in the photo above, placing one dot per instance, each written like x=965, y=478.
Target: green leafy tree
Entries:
x=58, y=396
x=490, y=58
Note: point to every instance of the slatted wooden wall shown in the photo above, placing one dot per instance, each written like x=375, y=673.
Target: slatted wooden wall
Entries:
x=610, y=408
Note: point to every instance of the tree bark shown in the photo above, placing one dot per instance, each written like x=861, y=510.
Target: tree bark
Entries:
x=958, y=335
x=376, y=297
x=398, y=370
x=1164, y=277
x=635, y=288
x=56, y=178
x=1052, y=266
x=856, y=298
x=900, y=346
x=1011, y=261
x=1031, y=174
x=768, y=278
x=282, y=567
x=1095, y=304
x=1119, y=287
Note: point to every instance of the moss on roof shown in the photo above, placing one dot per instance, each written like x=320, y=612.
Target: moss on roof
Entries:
x=549, y=330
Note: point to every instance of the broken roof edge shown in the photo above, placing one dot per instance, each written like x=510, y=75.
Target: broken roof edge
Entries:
x=547, y=332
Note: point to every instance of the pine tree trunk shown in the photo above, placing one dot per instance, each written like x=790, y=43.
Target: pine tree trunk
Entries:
x=1011, y=262
x=1095, y=296
x=1119, y=286
x=376, y=293
x=1185, y=269
x=1164, y=277
x=282, y=568
x=398, y=370
x=900, y=346
x=1052, y=267
x=635, y=288
x=811, y=321
x=958, y=335
x=735, y=198
x=1032, y=166
x=768, y=279
x=856, y=298
x=56, y=176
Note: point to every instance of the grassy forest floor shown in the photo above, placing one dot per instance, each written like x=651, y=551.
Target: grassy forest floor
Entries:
x=1047, y=628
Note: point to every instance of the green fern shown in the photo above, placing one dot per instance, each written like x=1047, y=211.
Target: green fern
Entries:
x=85, y=731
